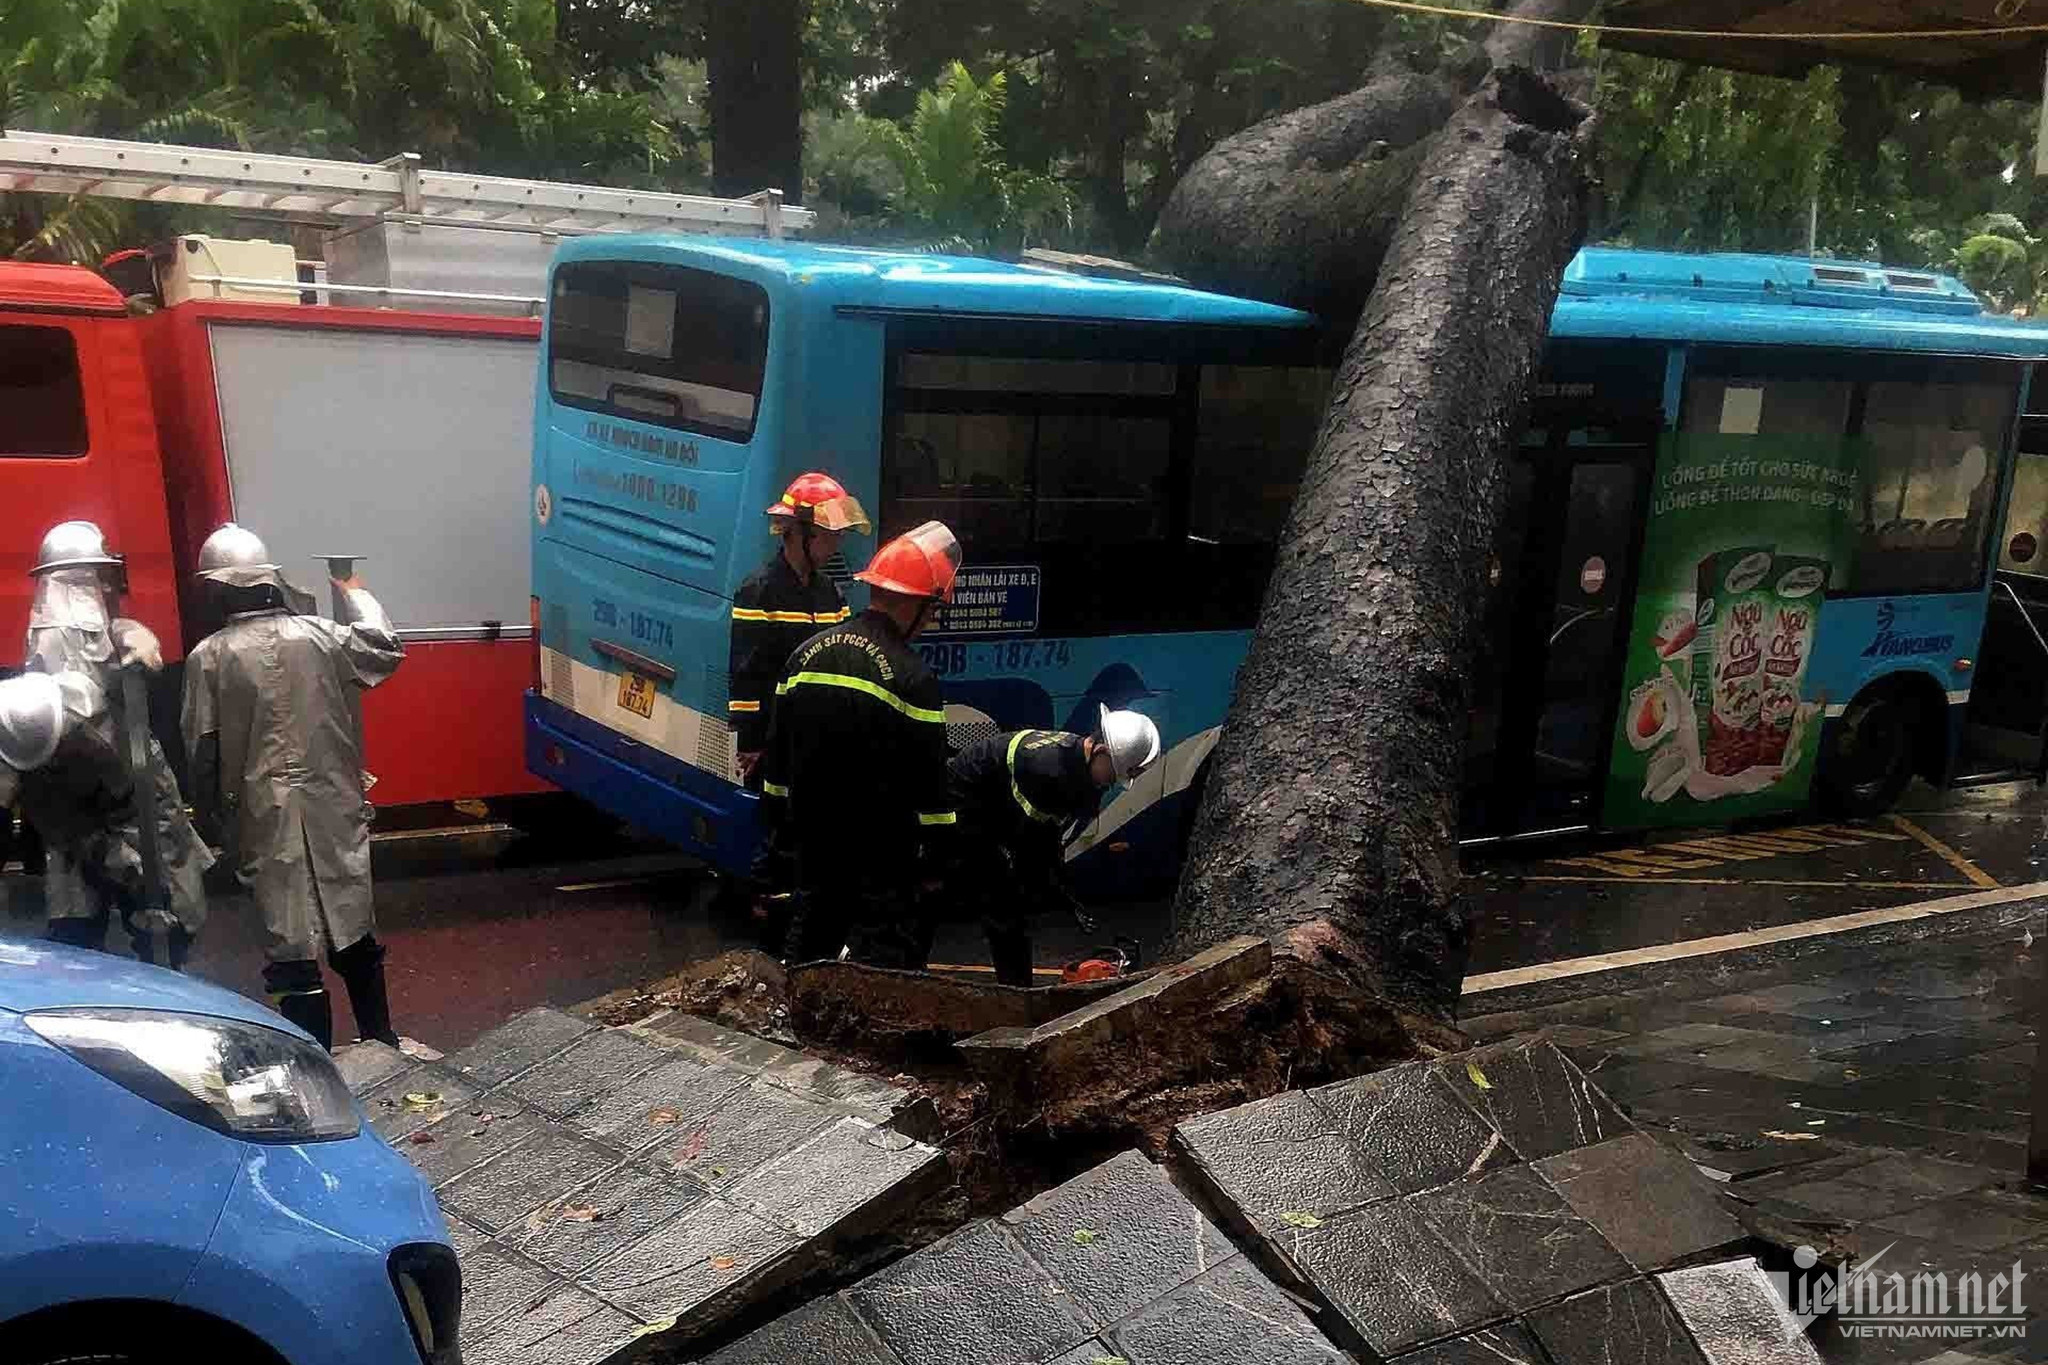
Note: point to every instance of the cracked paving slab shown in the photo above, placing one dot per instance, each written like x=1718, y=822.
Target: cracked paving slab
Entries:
x=583, y=1221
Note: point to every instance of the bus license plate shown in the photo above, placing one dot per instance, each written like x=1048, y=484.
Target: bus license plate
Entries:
x=636, y=694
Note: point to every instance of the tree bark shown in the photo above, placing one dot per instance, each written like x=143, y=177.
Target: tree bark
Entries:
x=1329, y=820
x=754, y=61
x=1300, y=209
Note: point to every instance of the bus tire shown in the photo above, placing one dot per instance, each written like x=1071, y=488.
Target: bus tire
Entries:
x=1869, y=755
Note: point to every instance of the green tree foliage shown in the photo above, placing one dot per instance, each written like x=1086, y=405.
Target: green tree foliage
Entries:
x=1119, y=97
x=1883, y=168
x=480, y=84
x=956, y=185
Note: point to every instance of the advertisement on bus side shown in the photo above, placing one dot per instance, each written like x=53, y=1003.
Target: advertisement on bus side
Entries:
x=1717, y=720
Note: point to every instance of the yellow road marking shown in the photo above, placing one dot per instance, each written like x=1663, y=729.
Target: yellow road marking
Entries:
x=1722, y=943
x=1714, y=850
x=1972, y=873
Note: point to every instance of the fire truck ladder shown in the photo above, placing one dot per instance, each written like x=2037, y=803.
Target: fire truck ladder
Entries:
x=399, y=189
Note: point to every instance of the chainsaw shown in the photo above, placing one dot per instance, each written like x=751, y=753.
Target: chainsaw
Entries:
x=1103, y=963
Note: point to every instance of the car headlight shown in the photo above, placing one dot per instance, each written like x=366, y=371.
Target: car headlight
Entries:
x=241, y=1079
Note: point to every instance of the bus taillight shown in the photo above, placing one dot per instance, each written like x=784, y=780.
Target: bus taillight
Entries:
x=533, y=612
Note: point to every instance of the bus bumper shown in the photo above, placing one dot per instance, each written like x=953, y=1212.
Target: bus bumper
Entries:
x=649, y=790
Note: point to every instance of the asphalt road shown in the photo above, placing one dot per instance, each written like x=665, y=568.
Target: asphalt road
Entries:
x=482, y=921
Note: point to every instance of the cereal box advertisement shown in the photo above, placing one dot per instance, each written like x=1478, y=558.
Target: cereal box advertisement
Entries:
x=1717, y=721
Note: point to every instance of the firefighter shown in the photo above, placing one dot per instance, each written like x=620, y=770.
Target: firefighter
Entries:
x=783, y=604
x=273, y=728
x=34, y=722
x=84, y=803
x=1016, y=794
x=859, y=756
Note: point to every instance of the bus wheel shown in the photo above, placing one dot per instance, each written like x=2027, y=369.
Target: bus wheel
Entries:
x=1868, y=758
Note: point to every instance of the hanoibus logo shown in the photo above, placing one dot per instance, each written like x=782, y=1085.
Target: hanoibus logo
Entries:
x=1874, y=1299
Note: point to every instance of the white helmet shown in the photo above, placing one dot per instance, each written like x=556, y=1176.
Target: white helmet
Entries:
x=73, y=545
x=32, y=720
x=233, y=552
x=1132, y=740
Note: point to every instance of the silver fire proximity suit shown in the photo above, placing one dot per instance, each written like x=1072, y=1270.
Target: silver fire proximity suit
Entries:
x=82, y=802
x=273, y=726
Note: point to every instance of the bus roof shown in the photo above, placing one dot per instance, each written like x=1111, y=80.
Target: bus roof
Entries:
x=1612, y=292
x=863, y=280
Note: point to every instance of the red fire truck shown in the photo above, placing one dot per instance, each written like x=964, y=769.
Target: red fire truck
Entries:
x=376, y=402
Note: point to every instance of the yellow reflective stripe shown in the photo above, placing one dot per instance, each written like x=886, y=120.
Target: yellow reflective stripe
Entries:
x=792, y=618
x=875, y=690
x=1017, y=792
x=774, y=789
x=944, y=817
x=743, y=706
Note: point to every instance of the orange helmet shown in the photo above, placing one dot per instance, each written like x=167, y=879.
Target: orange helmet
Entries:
x=921, y=562
x=819, y=500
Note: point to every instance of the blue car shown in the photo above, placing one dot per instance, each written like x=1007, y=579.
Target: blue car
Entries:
x=184, y=1176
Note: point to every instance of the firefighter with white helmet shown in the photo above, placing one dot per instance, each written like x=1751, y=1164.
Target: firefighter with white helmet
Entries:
x=84, y=802
x=1017, y=794
x=273, y=729
x=33, y=723
x=859, y=756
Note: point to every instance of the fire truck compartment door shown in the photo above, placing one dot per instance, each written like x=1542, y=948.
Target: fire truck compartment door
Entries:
x=409, y=449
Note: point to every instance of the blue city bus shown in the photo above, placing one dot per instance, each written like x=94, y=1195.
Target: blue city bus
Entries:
x=1118, y=456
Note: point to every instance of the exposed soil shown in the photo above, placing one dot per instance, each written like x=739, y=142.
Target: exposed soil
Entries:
x=1294, y=1027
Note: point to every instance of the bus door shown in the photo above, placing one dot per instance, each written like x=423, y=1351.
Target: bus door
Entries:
x=1564, y=582
x=2005, y=733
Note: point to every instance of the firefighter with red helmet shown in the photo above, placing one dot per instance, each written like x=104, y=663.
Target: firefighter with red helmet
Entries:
x=781, y=605
x=859, y=757
x=785, y=602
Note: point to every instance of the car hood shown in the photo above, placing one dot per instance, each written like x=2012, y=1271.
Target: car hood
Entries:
x=35, y=975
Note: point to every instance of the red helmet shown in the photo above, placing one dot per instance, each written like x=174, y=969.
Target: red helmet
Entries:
x=921, y=562
x=820, y=500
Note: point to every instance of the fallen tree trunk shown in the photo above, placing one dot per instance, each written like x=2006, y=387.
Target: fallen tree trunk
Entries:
x=1301, y=209
x=1329, y=820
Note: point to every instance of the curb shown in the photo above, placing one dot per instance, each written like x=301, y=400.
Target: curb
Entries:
x=1548, y=983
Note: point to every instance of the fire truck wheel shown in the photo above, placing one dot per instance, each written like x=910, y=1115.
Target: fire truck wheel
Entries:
x=1867, y=758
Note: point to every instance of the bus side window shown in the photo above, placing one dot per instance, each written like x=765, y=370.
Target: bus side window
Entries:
x=1928, y=484
x=970, y=470
x=1768, y=407
x=2026, y=518
x=1253, y=430
x=42, y=401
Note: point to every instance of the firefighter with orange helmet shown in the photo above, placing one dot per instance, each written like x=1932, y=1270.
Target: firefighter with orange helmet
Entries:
x=859, y=758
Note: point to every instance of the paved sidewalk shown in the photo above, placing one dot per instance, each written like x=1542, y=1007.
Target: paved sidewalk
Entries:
x=1867, y=1100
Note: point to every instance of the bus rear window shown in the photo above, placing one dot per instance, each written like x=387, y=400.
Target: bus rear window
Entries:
x=42, y=401
x=656, y=343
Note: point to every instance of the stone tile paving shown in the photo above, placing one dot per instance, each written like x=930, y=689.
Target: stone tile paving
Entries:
x=602, y=1185
x=1868, y=1102
x=1488, y=1201
x=1115, y=1265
